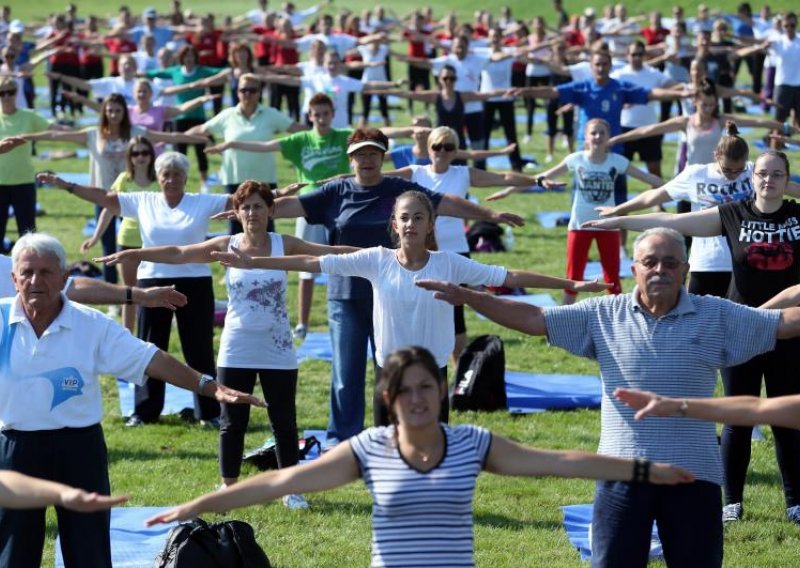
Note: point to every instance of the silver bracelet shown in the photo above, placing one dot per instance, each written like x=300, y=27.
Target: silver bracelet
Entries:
x=204, y=380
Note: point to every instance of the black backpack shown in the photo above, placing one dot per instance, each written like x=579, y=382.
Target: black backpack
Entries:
x=485, y=236
x=480, y=376
x=197, y=544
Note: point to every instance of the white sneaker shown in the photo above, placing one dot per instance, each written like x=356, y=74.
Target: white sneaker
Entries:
x=295, y=502
x=299, y=332
x=548, y=158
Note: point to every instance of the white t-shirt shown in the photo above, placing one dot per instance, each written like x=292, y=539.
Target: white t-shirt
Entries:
x=634, y=116
x=52, y=381
x=309, y=69
x=497, y=76
x=404, y=314
x=594, y=185
x=468, y=75
x=704, y=186
x=104, y=86
x=162, y=225
x=377, y=56
x=455, y=181
x=342, y=43
x=582, y=71
x=786, y=54
x=337, y=88
x=256, y=334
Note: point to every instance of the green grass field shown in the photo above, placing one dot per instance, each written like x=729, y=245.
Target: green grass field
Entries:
x=518, y=521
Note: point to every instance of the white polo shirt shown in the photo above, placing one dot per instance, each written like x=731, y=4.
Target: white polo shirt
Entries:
x=786, y=53
x=52, y=381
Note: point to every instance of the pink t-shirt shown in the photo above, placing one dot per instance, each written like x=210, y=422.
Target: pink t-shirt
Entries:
x=153, y=119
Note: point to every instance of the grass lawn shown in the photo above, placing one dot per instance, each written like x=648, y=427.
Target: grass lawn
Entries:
x=518, y=521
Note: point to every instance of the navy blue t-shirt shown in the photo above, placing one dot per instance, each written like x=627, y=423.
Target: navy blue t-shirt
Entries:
x=358, y=216
x=604, y=102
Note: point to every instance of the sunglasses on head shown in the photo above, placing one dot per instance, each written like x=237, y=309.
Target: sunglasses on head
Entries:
x=248, y=90
x=139, y=154
x=447, y=147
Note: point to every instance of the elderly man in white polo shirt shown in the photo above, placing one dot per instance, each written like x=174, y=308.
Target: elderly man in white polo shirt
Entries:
x=52, y=352
x=663, y=339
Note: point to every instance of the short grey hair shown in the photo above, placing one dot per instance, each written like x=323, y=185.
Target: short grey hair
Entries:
x=42, y=244
x=665, y=232
x=172, y=161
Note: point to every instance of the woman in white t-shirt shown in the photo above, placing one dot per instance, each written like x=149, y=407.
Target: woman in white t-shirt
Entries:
x=403, y=314
x=168, y=217
x=597, y=173
x=421, y=473
x=256, y=340
x=443, y=177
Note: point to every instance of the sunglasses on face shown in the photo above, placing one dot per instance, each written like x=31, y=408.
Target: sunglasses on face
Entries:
x=248, y=90
x=136, y=154
x=448, y=78
x=447, y=147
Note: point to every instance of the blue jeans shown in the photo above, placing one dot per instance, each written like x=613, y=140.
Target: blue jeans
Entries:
x=689, y=519
x=351, y=328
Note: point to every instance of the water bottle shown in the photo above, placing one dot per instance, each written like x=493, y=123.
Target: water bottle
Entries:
x=508, y=238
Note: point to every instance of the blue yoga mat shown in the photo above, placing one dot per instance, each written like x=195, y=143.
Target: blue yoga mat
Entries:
x=132, y=544
x=528, y=393
x=578, y=519
x=317, y=345
x=175, y=399
x=498, y=163
x=761, y=145
x=551, y=219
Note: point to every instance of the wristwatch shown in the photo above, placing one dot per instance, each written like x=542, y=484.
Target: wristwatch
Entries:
x=204, y=380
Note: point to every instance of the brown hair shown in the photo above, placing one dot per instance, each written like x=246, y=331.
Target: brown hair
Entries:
x=708, y=89
x=395, y=367
x=184, y=51
x=252, y=187
x=780, y=155
x=320, y=99
x=731, y=145
x=234, y=47
x=151, y=167
x=368, y=134
x=430, y=238
x=124, y=125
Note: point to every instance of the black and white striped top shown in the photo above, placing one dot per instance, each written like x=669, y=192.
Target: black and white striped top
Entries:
x=422, y=518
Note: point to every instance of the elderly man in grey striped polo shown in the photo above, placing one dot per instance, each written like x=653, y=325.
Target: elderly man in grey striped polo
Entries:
x=663, y=339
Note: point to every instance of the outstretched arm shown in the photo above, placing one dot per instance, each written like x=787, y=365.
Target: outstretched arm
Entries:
x=271, y=146
x=18, y=491
x=103, y=221
x=96, y=195
x=705, y=223
x=644, y=200
x=735, y=410
x=453, y=206
x=509, y=458
x=675, y=124
x=335, y=468
x=239, y=259
x=196, y=253
x=523, y=279
x=94, y=291
x=513, y=315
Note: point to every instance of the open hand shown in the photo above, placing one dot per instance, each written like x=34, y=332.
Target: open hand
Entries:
x=234, y=259
x=591, y=286
x=84, y=502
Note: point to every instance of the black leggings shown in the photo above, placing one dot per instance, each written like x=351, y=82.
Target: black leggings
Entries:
x=366, y=106
x=23, y=197
x=508, y=121
x=196, y=331
x=279, y=387
x=530, y=102
x=380, y=413
x=108, y=242
x=292, y=95
x=55, y=99
x=473, y=122
x=778, y=369
x=710, y=283
x=184, y=124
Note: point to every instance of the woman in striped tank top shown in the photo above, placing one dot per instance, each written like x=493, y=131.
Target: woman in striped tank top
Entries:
x=421, y=473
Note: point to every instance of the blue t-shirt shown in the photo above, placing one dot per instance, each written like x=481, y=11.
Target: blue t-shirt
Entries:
x=403, y=156
x=357, y=215
x=604, y=102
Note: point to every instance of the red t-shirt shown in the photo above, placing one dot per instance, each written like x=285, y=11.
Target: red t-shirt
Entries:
x=68, y=57
x=118, y=46
x=285, y=55
x=206, y=46
x=654, y=36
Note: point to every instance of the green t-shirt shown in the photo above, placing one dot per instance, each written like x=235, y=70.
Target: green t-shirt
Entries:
x=317, y=157
x=16, y=166
x=180, y=78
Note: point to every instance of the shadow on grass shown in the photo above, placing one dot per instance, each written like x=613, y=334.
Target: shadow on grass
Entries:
x=507, y=523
